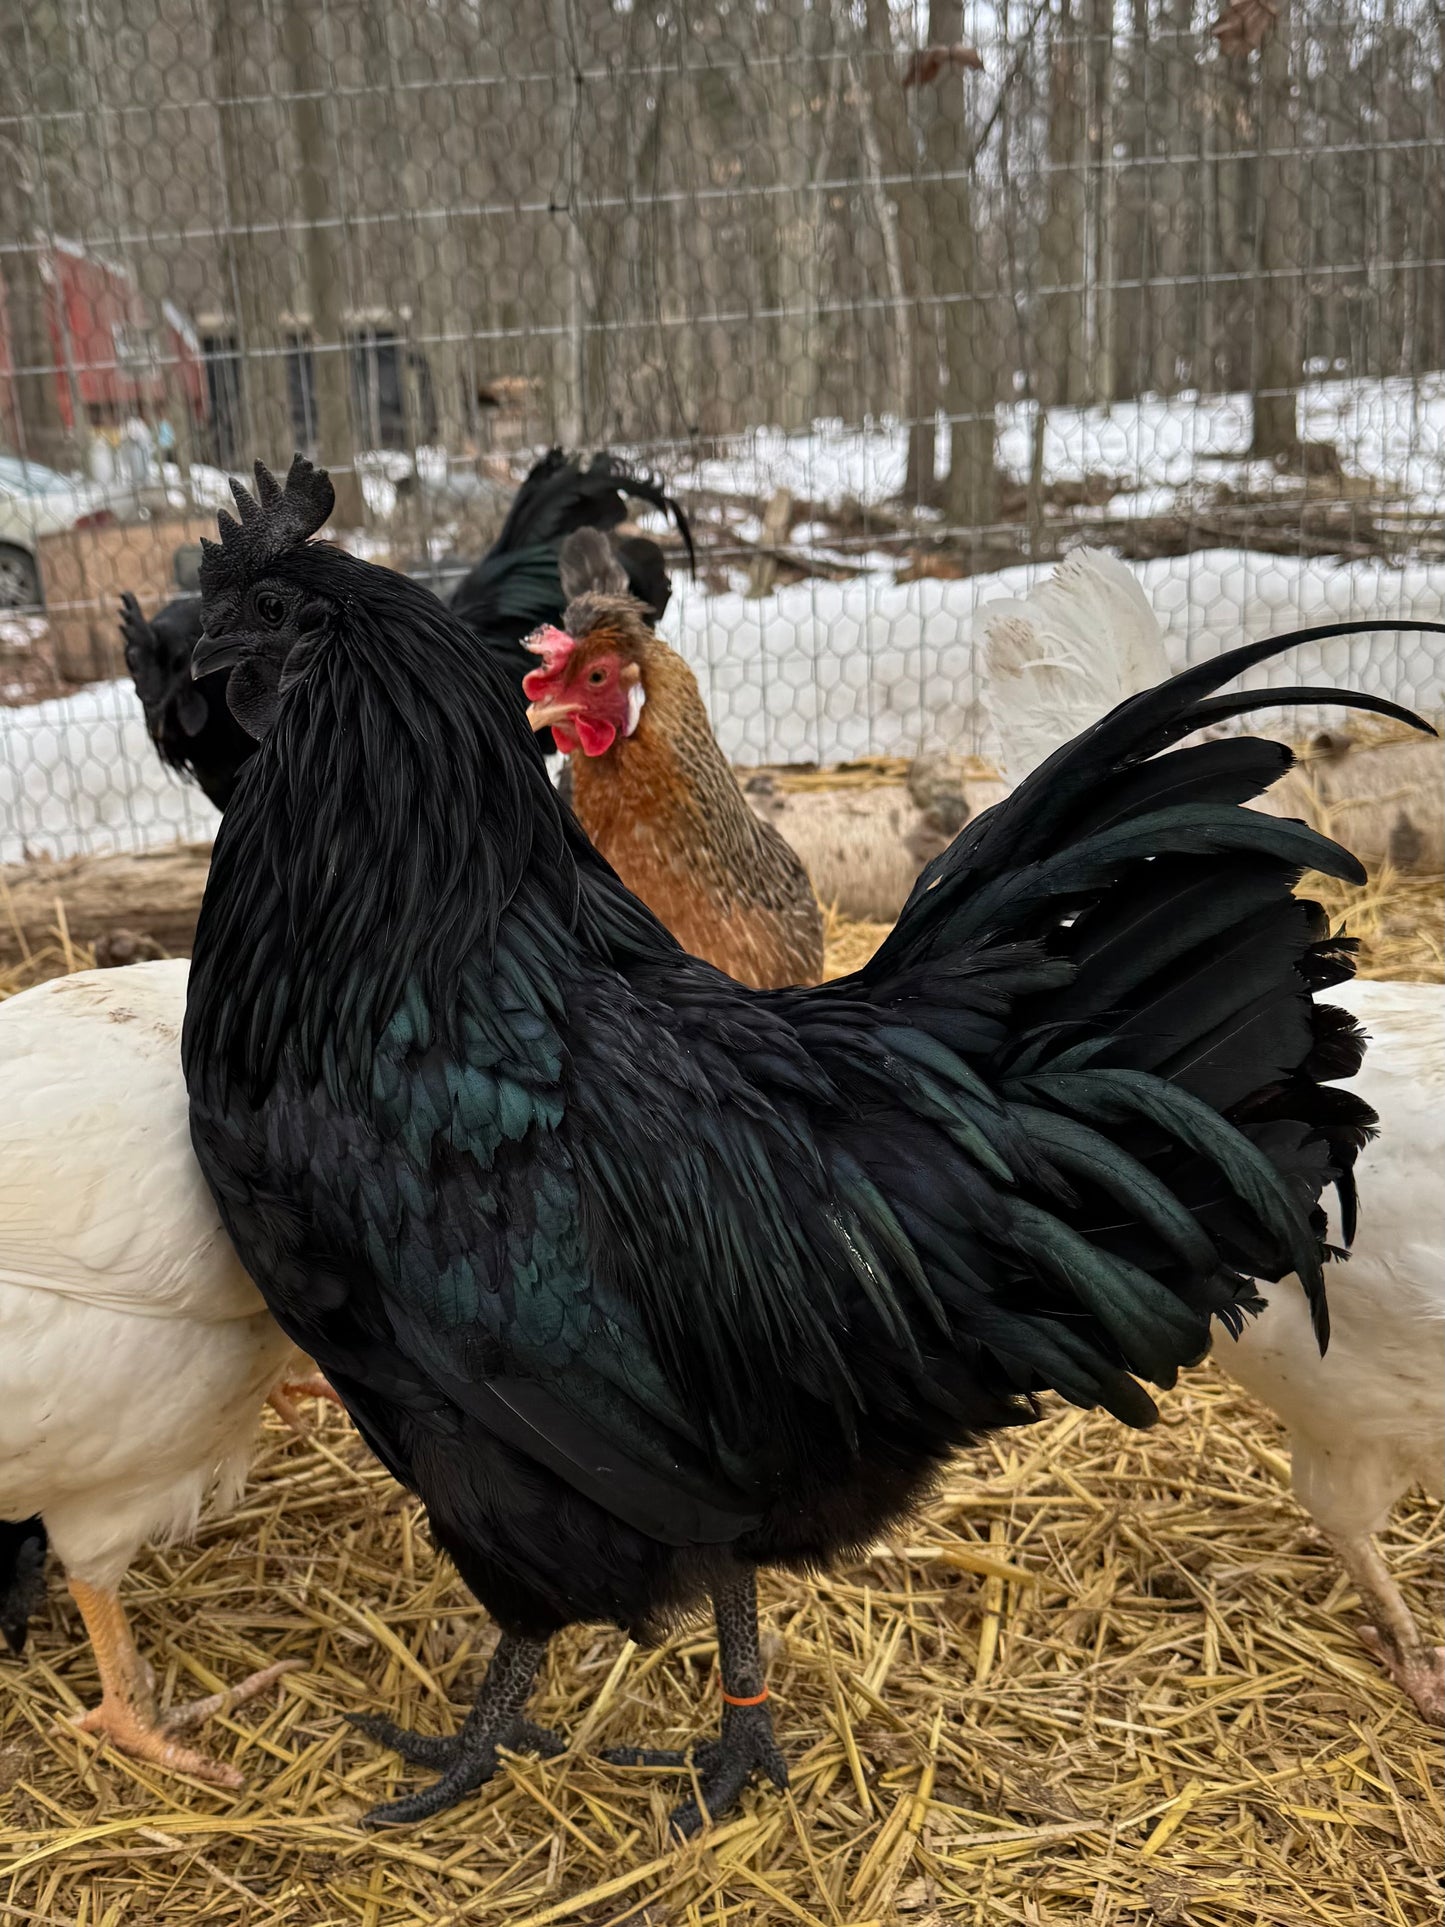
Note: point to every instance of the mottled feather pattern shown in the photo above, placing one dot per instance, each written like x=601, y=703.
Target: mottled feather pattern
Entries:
x=615, y=1261
x=664, y=807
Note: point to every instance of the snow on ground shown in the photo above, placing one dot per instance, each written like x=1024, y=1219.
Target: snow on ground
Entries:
x=816, y=672
x=21, y=632
x=79, y=775
x=823, y=671
x=1393, y=431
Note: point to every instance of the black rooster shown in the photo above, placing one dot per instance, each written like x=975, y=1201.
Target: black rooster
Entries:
x=23, y=1548
x=511, y=591
x=643, y=1280
x=188, y=721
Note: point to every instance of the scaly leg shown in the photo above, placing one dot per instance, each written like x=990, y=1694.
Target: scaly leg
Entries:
x=1417, y=1669
x=127, y=1714
x=470, y=1757
x=745, y=1744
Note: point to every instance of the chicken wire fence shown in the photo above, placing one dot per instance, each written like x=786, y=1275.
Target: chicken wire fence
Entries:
x=903, y=301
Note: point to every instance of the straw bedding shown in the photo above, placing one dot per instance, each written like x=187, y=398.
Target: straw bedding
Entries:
x=1107, y=1678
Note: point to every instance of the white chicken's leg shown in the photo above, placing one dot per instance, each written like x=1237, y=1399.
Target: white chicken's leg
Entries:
x=127, y=1715
x=1417, y=1669
x=312, y=1386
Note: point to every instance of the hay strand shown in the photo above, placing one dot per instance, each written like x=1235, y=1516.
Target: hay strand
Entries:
x=1175, y=1714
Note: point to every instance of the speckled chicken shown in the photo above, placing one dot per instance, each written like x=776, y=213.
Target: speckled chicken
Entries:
x=654, y=791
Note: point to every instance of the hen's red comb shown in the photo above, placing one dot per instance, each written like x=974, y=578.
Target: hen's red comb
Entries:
x=554, y=646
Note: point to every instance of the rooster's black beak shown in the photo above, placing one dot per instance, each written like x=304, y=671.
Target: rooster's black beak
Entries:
x=215, y=652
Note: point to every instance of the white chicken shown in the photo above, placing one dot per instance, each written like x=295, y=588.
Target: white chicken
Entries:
x=1367, y=1421
x=135, y=1353
x=1061, y=657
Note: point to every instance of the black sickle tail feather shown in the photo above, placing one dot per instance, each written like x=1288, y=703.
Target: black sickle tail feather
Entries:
x=560, y=495
x=23, y=1549
x=1183, y=1038
x=1043, y=804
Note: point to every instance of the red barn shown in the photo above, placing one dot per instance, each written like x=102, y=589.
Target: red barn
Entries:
x=111, y=353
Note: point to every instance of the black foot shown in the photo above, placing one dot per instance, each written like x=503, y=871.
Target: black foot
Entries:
x=466, y=1761
x=723, y=1766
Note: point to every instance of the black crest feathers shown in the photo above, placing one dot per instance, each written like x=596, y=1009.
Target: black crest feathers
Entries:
x=273, y=520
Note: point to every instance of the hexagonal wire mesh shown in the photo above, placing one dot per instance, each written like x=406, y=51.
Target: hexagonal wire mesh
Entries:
x=903, y=300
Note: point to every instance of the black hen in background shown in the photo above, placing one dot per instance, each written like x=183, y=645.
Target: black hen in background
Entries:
x=23, y=1548
x=188, y=721
x=516, y=587
x=642, y=1279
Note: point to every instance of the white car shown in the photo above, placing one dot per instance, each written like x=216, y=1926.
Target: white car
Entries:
x=36, y=501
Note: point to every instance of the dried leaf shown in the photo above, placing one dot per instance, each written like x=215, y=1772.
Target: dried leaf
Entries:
x=1244, y=26
x=925, y=66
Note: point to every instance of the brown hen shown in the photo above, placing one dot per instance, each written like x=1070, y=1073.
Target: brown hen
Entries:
x=654, y=791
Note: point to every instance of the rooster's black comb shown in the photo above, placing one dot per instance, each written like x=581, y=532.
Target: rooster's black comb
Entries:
x=273, y=520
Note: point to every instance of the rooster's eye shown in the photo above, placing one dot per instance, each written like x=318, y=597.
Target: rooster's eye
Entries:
x=271, y=609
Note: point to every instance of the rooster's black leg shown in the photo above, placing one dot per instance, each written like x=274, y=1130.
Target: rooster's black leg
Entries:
x=469, y=1758
x=745, y=1744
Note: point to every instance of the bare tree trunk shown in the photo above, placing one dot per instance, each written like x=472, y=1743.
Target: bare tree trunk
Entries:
x=1385, y=281
x=917, y=319
x=36, y=383
x=255, y=269
x=970, y=492
x=791, y=133
x=1173, y=206
x=1279, y=248
x=304, y=35
x=569, y=277
x=1231, y=297
x=1063, y=376
x=1100, y=276
x=885, y=210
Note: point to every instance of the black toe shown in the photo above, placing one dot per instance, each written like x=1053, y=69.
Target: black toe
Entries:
x=420, y=1749
x=540, y=1740
x=466, y=1761
x=645, y=1756
x=725, y=1765
x=722, y=1766
x=464, y=1778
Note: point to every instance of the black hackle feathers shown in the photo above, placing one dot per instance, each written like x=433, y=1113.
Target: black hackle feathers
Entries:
x=617, y=1263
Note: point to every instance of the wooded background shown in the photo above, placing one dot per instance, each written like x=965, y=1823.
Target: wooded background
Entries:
x=679, y=220
x=906, y=300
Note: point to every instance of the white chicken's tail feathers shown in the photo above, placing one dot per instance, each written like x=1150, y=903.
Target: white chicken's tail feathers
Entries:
x=1065, y=654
